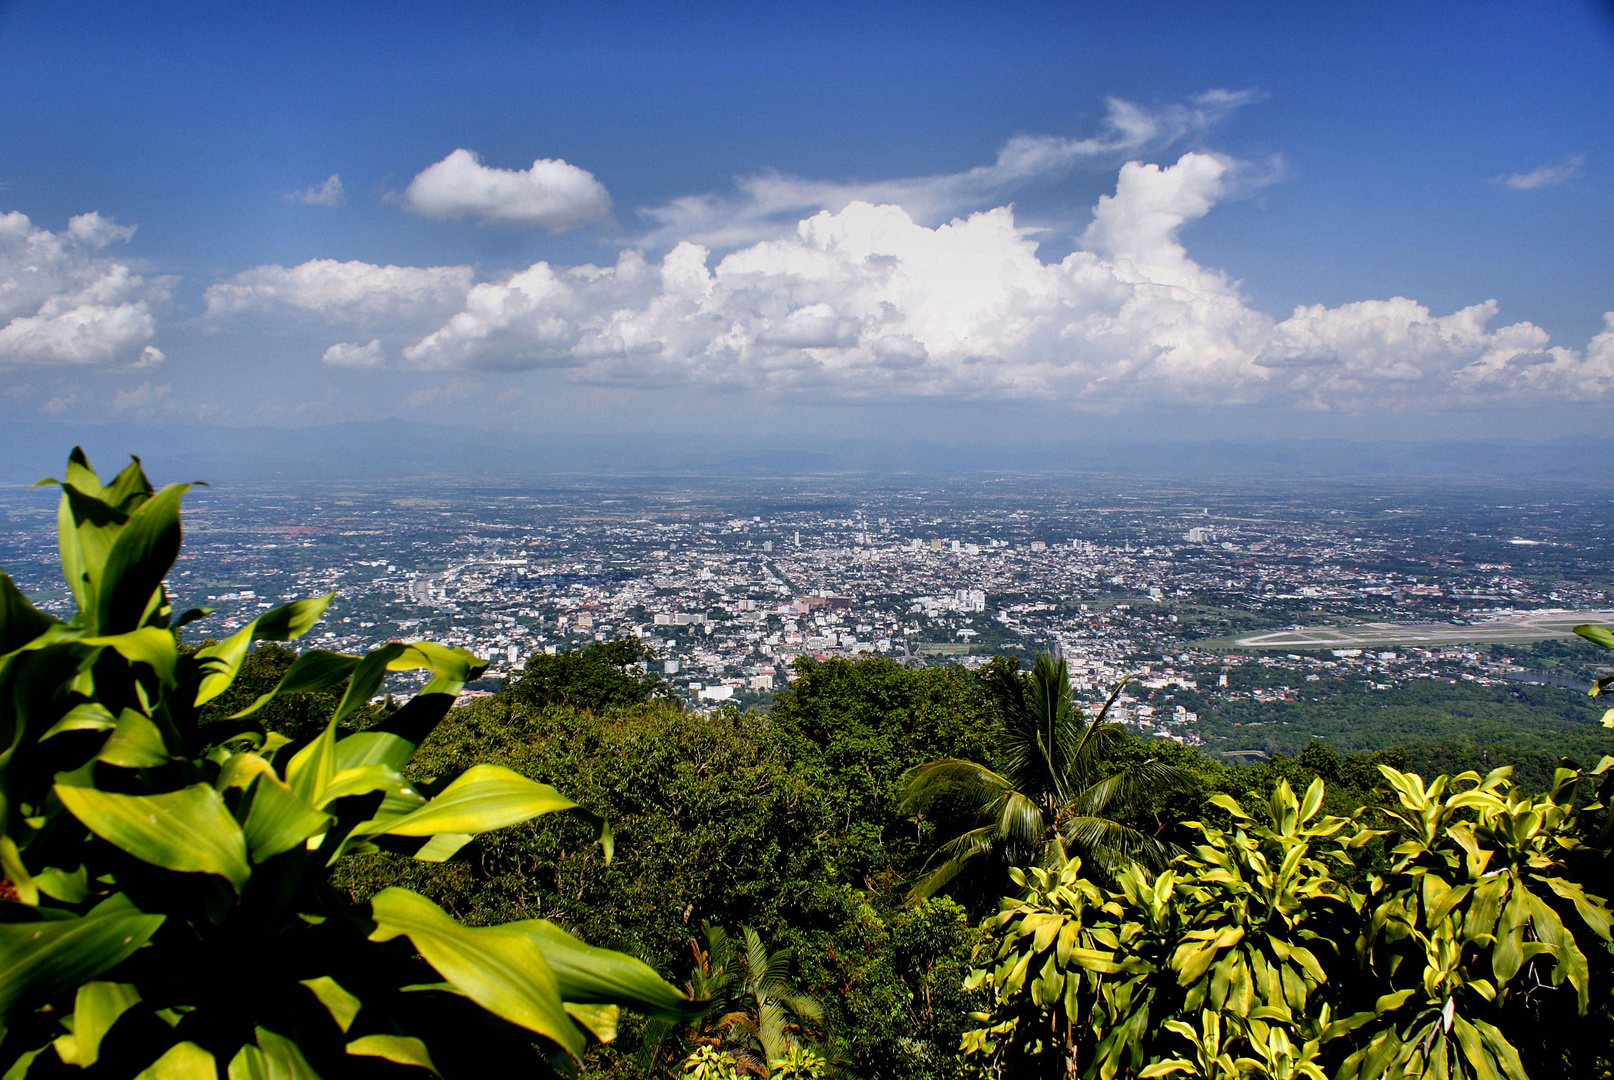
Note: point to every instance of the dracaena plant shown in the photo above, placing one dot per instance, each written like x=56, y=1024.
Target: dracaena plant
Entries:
x=1253, y=958
x=166, y=908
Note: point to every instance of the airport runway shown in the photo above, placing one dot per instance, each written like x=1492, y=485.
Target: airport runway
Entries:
x=1497, y=629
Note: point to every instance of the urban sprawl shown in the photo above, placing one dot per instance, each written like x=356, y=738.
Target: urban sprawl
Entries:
x=1243, y=594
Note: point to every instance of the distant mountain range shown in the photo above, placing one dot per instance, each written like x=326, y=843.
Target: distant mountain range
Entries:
x=401, y=449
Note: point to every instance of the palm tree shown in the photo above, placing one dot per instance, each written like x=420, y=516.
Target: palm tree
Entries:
x=757, y=1006
x=1052, y=799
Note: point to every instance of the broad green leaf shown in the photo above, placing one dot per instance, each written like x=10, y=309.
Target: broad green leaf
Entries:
x=182, y=1061
x=374, y=748
x=312, y=768
x=20, y=621
x=500, y=969
x=368, y=674
x=442, y=847
x=278, y=820
x=312, y=672
x=239, y=770
x=601, y=1020
x=129, y=488
x=41, y=959
x=342, y=1005
x=403, y=1049
x=483, y=798
x=274, y=1058
x=191, y=615
x=135, y=743
x=19, y=1068
x=400, y=795
x=188, y=830
x=588, y=975
x=278, y=624
x=1597, y=635
x=1595, y=914
x=68, y=887
x=147, y=645
x=88, y=527
x=96, y=1007
x=13, y=870
x=138, y=561
x=85, y=716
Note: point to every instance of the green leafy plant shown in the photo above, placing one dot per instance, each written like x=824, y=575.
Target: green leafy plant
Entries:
x=1052, y=799
x=168, y=907
x=758, y=1013
x=1252, y=957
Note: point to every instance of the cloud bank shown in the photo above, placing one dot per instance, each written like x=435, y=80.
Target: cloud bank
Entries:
x=343, y=291
x=64, y=303
x=866, y=302
x=553, y=194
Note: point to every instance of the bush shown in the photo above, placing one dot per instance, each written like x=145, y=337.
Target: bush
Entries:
x=1252, y=956
x=166, y=897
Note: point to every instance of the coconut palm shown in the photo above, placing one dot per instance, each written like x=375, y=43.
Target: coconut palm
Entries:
x=1054, y=796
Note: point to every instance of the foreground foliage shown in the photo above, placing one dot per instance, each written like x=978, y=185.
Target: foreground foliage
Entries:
x=1256, y=955
x=166, y=898
x=1056, y=794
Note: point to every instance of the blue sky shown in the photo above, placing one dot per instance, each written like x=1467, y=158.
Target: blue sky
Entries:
x=1389, y=167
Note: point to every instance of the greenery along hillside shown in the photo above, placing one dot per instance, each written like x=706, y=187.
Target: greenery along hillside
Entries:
x=1326, y=915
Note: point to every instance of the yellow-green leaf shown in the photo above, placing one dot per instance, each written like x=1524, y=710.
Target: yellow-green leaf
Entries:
x=342, y=1005
x=502, y=970
x=39, y=960
x=147, y=645
x=601, y=1020
x=278, y=820
x=96, y=1007
x=182, y=1061
x=188, y=830
x=138, y=561
x=402, y=1049
x=278, y=624
x=85, y=716
x=135, y=743
x=587, y=974
x=274, y=1058
x=483, y=798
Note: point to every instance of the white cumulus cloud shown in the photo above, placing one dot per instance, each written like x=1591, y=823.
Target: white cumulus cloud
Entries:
x=1545, y=175
x=351, y=354
x=867, y=302
x=328, y=192
x=343, y=292
x=552, y=194
x=63, y=302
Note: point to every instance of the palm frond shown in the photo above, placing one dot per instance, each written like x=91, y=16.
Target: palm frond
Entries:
x=951, y=780
x=1098, y=723
x=947, y=861
x=1020, y=822
x=1108, y=844
x=1119, y=788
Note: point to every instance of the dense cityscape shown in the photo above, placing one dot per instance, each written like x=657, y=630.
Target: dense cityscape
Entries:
x=1200, y=596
